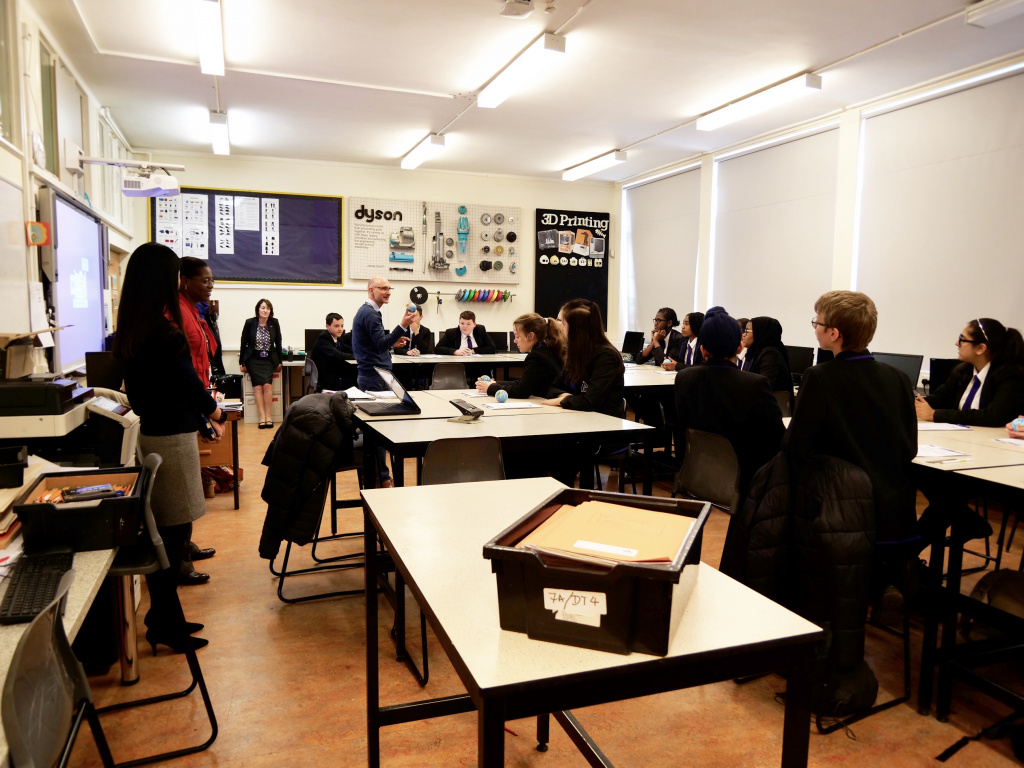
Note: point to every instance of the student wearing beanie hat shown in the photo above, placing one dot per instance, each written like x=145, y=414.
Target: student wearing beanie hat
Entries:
x=718, y=397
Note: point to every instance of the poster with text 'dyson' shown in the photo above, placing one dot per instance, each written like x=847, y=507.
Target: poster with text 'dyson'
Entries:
x=572, y=259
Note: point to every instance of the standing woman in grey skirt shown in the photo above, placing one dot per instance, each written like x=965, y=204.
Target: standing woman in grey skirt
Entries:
x=170, y=400
x=260, y=356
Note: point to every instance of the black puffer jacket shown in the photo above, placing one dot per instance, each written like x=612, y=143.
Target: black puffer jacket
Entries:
x=315, y=438
x=807, y=543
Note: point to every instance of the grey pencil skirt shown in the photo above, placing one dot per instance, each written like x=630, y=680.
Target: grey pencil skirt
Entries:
x=178, y=491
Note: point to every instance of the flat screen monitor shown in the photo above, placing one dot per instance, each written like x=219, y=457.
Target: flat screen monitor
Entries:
x=909, y=364
x=75, y=264
x=312, y=334
x=800, y=359
x=500, y=339
x=102, y=369
x=633, y=343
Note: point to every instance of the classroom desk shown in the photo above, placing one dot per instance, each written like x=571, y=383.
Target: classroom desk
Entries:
x=456, y=394
x=435, y=535
x=431, y=407
x=408, y=367
x=648, y=377
x=214, y=454
x=288, y=380
x=409, y=437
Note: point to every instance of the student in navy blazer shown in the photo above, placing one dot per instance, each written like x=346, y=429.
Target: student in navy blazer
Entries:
x=455, y=340
x=666, y=341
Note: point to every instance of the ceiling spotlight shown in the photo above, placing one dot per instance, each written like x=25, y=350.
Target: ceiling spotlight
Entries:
x=516, y=9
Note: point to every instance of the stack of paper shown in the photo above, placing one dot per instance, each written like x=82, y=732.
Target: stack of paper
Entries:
x=598, y=530
x=354, y=393
x=10, y=525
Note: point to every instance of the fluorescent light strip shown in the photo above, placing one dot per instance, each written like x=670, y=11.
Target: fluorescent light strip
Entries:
x=818, y=128
x=991, y=12
x=210, y=33
x=760, y=102
x=219, y=133
x=593, y=166
x=423, y=151
x=662, y=175
x=943, y=89
x=526, y=67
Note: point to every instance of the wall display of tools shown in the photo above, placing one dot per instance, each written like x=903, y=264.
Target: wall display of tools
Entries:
x=425, y=240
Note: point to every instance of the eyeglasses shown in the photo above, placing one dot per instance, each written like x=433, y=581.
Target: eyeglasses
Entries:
x=982, y=327
x=660, y=320
x=386, y=289
x=208, y=281
x=961, y=340
x=815, y=324
x=746, y=331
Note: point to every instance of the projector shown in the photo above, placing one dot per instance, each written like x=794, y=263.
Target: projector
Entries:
x=516, y=9
x=149, y=185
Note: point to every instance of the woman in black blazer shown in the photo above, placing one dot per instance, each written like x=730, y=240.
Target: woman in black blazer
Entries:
x=994, y=356
x=260, y=356
x=542, y=341
x=766, y=354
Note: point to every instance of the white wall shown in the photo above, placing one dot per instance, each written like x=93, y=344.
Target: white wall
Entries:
x=301, y=307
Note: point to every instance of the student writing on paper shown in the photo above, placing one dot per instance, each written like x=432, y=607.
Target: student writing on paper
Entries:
x=987, y=388
x=542, y=340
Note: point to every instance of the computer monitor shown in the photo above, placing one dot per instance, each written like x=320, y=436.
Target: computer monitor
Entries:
x=909, y=364
x=800, y=359
x=500, y=339
x=102, y=369
x=312, y=334
x=633, y=343
x=939, y=369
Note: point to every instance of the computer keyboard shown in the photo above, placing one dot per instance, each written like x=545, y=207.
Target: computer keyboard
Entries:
x=32, y=585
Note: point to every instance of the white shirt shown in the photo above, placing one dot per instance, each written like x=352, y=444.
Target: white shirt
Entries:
x=976, y=403
x=374, y=304
x=465, y=343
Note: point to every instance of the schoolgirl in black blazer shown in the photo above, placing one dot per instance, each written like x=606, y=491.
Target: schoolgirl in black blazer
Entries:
x=541, y=338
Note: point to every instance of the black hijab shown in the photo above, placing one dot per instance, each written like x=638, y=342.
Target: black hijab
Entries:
x=767, y=333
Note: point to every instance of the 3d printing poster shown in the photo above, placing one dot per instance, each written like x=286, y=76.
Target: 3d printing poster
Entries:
x=193, y=209
x=224, y=236
x=269, y=207
x=568, y=265
x=168, y=210
x=194, y=243
x=247, y=214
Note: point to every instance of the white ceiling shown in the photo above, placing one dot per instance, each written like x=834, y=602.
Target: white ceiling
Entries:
x=363, y=82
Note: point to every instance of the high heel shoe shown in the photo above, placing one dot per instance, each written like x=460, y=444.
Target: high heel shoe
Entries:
x=174, y=643
x=193, y=626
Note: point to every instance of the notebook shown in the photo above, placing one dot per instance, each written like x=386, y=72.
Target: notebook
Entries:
x=407, y=406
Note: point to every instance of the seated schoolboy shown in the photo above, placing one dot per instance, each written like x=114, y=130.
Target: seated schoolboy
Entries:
x=468, y=339
x=718, y=397
x=327, y=353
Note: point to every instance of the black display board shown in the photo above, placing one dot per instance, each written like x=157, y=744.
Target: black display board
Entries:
x=572, y=259
x=308, y=231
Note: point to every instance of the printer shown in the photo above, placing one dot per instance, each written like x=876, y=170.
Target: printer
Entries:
x=26, y=397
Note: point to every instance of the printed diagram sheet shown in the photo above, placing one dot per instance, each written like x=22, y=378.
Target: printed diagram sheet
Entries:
x=270, y=209
x=225, y=224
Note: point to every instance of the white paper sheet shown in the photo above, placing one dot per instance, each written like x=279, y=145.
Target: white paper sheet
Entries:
x=935, y=451
x=224, y=236
x=247, y=214
x=931, y=426
x=510, y=405
x=384, y=394
x=354, y=393
x=474, y=393
x=271, y=234
x=1014, y=441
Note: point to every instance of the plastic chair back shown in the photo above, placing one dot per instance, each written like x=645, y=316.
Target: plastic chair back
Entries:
x=148, y=555
x=448, y=376
x=500, y=339
x=710, y=471
x=44, y=688
x=785, y=401
x=311, y=375
x=462, y=460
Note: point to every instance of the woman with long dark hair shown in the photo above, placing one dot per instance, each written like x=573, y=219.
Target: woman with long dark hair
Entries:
x=542, y=341
x=170, y=400
x=987, y=388
x=260, y=356
x=766, y=354
x=592, y=379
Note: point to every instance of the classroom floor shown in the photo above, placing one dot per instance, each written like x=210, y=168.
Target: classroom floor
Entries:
x=287, y=682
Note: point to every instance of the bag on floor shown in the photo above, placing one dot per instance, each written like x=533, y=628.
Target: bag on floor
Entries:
x=1002, y=589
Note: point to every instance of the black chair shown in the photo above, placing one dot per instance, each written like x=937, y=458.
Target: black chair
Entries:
x=451, y=460
x=710, y=471
x=149, y=556
x=46, y=695
x=448, y=376
x=500, y=340
x=312, y=334
x=311, y=376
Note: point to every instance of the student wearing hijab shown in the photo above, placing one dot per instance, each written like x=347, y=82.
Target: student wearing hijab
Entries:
x=718, y=397
x=766, y=354
x=987, y=388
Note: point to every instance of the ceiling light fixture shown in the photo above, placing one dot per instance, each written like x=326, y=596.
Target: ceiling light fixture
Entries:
x=219, y=133
x=988, y=13
x=525, y=68
x=760, y=102
x=423, y=151
x=516, y=9
x=593, y=166
x=210, y=32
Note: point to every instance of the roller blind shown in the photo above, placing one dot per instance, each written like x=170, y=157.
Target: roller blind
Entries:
x=662, y=220
x=942, y=217
x=774, y=232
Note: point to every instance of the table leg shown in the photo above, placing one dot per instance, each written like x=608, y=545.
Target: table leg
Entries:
x=543, y=732
x=948, y=616
x=796, y=726
x=648, y=465
x=491, y=734
x=372, y=475
x=234, y=456
x=372, y=650
x=930, y=634
x=398, y=469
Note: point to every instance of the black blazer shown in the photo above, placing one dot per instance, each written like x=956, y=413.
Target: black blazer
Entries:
x=334, y=373
x=773, y=366
x=247, y=346
x=424, y=342
x=540, y=369
x=720, y=398
x=1001, y=398
x=675, y=344
x=601, y=389
x=452, y=340
x=862, y=411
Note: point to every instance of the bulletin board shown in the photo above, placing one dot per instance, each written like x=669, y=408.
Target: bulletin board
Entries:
x=571, y=259
x=254, y=237
x=467, y=242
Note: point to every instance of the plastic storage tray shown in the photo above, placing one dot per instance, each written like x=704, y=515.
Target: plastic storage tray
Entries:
x=83, y=525
x=638, y=596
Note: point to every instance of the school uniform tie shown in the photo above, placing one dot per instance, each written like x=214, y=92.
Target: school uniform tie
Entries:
x=689, y=354
x=469, y=342
x=970, y=395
